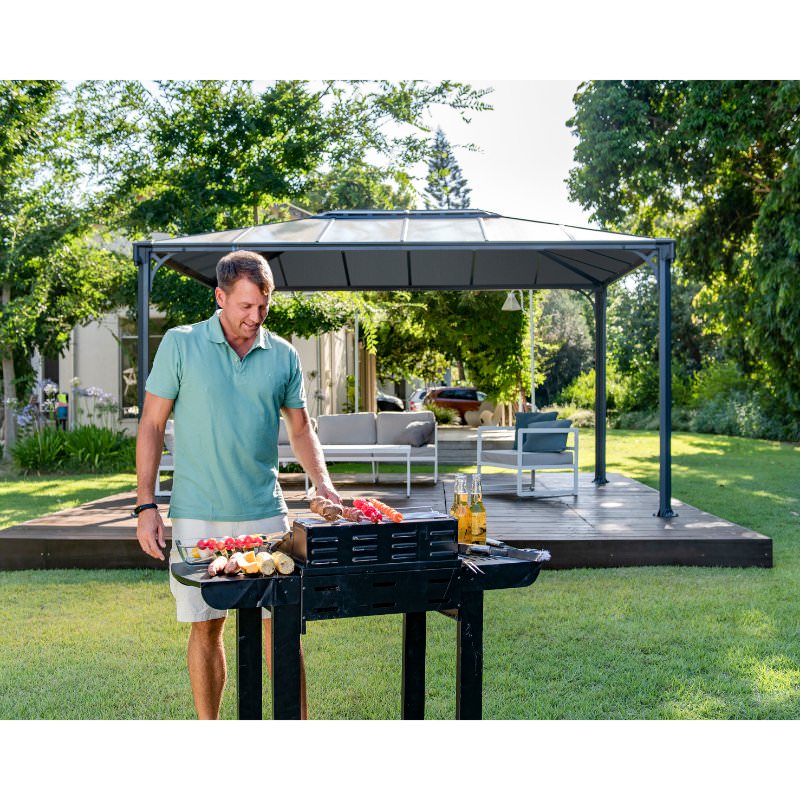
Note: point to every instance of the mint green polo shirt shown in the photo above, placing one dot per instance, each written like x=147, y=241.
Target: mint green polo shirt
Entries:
x=227, y=413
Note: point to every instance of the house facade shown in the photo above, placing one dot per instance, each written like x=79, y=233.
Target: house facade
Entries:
x=103, y=355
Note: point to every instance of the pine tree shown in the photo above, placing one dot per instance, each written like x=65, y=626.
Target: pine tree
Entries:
x=446, y=188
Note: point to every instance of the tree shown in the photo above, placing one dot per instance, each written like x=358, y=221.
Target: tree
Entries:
x=53, y=276
x=565, y=340
x=355, y=186
x=714, y=164
x=446, y=188
x=193, y=156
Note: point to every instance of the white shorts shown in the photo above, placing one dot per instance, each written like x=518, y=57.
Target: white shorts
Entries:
x=190, y=604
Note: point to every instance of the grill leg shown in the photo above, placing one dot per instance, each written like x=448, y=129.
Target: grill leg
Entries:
x=469, y=657
x=413, y=689
x=286, y=661
x=248, y=660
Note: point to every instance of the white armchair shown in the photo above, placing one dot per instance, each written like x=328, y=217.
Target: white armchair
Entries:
x=522, y=460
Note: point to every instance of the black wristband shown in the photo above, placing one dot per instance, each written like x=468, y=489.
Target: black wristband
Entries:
x=138, y=510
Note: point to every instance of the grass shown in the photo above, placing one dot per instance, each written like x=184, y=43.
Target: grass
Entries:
x=22, y=499
x=632, y=643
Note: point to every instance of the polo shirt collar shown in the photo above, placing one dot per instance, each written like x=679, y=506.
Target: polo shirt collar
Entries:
x=215, y=333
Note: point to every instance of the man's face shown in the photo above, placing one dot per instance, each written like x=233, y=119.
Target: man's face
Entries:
x=244, y=309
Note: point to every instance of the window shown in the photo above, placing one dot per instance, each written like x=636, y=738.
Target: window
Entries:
x=128, y=343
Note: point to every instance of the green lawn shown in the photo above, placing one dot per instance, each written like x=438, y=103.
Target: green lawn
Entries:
x=634, y=643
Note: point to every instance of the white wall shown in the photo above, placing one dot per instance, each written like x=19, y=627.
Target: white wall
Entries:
x=94, y=356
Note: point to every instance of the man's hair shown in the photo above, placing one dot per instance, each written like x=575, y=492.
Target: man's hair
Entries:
x=244, y=264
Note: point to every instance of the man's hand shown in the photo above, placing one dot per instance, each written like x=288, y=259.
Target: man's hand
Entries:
x=150, y=533
x=327, y=490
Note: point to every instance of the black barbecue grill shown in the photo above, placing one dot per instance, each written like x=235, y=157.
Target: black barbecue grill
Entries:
x=353, y=570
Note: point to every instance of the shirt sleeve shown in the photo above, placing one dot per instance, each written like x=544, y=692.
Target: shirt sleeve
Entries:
x=295, y=393
x=164, y=379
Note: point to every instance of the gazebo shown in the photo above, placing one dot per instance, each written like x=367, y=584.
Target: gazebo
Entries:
x=465, y=249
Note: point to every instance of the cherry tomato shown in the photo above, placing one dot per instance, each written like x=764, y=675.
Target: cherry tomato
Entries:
x=202, y=544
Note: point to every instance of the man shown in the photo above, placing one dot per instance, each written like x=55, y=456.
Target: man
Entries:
x=228, y=380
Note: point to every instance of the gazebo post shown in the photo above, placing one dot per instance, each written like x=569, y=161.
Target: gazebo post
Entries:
x=142, y=256
x=600, y=392
x=665, y=256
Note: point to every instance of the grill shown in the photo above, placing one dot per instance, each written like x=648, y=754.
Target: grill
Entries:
x=416, y=543
x=354, y=570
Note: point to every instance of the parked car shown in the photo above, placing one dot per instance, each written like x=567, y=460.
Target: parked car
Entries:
x=416, y=399
x=388, y=402
x=461, y=398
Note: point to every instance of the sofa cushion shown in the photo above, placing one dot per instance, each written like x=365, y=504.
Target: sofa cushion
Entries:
x=285, y=452
x=416, y=434
x=545, y=442
x=283, y=433
x=392, y=424
x=525, y=418
x=347, y=428
x=427, y=452
x=508, y=458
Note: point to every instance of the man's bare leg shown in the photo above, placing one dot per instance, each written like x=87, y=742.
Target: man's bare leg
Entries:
x=207, y=667
x=268, y=656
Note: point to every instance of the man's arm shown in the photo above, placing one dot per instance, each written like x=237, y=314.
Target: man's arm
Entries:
x=149, y=446
x=305, y=446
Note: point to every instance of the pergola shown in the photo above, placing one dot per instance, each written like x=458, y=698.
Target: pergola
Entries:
x=437, y=249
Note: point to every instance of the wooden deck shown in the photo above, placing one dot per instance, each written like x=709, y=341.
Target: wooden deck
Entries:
x=607, y=526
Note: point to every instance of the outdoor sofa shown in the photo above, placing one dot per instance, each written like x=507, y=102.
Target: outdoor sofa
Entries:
x=393, y=437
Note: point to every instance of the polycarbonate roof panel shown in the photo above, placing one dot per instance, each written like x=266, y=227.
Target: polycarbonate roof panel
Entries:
x=363, y=230
x=507, y=229
x=301, y=230
x=217, y=237
x=443, y=229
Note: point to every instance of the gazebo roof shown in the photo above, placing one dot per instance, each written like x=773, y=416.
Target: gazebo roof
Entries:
x=419, y=249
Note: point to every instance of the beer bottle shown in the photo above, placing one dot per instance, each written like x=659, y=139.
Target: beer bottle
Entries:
x=477, y=513
x=460, y=509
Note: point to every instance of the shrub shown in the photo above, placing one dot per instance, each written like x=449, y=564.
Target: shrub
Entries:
x=736, y=414
x=43, y=450
x=443, y=416
x=716, y=380
x=580, y=392
x=96, y=449
x=579, y=417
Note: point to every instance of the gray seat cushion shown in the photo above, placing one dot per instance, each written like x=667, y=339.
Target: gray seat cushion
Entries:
x=283, y=434
x=427, y=451
x=545, y=442
x=347, y=428
x=509, y=458
x=391, y=425
x=284, y=452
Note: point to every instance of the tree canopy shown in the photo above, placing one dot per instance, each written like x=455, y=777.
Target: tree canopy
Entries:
x=716, y=165
x=54, y=271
